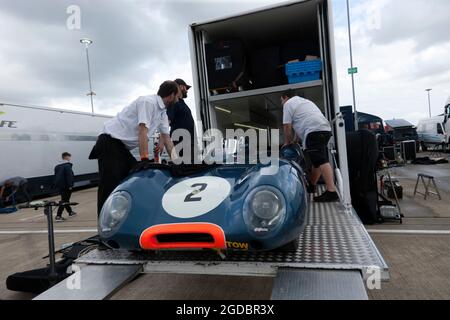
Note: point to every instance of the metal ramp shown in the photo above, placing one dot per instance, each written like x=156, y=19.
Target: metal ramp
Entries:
x=334, y=247
x=94, y=282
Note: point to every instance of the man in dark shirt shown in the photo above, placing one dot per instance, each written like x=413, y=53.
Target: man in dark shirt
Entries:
x=64, y=183
x=180, y=117
x=15, y=184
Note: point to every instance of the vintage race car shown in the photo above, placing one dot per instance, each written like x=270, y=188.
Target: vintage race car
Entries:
x=226, y=207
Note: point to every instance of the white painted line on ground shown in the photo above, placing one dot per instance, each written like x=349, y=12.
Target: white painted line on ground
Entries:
x=45, y=231
x=418, y=232
x=33, y=217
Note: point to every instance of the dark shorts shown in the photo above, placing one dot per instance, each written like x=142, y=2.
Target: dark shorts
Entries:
x=317, y=147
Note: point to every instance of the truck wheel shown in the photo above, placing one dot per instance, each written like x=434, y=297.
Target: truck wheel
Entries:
x=424, y=147
x=290, y=247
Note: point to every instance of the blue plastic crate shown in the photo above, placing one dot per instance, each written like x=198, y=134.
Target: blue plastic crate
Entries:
x=303, y=71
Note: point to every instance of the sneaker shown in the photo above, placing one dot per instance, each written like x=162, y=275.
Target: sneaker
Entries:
x=73, y=213
x=59, y=219
x=327, y=196
x=311, y=188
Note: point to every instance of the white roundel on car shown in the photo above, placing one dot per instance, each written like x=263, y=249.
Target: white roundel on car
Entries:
x=195, y=197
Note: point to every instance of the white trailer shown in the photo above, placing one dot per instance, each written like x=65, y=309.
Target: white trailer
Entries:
x=32, y=140
x=335, y=253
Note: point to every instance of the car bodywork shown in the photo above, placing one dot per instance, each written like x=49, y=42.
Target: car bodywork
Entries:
x=228, y=207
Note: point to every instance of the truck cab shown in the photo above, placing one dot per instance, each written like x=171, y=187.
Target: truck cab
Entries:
x=435, y=131
x=371, y=123
x=431, y=132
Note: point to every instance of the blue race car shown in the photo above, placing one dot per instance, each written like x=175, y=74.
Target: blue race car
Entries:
x=224, y=207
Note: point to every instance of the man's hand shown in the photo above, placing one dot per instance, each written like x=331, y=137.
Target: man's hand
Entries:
x=159, y=149
x=167, y=142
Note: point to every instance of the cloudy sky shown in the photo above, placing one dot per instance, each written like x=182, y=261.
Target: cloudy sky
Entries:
x=401, y=47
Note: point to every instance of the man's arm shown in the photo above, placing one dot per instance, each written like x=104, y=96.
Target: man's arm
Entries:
x=296, y=139
x=143, y=141
x=13, y=192
x=167, y=142
x=288, y=134
x=2, y=189
x=69, y=177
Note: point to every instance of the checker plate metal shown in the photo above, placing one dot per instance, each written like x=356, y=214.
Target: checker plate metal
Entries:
x=334, y=239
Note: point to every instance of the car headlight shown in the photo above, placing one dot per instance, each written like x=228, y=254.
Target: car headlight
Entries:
x=114, y=212
x=264, y=210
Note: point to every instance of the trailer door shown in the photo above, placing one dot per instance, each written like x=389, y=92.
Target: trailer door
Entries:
x=327, y=54
x=198, y=58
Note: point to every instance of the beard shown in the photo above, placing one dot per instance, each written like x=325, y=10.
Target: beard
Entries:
x=185, y=95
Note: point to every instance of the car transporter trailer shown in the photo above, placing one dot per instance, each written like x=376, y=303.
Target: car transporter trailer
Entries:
x=335, y=260
x=336, y=257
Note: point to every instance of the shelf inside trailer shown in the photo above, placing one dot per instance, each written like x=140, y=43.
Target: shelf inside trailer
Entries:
x=278, y=89
x=260, y=109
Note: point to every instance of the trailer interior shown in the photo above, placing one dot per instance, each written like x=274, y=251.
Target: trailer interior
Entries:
x=253, y=105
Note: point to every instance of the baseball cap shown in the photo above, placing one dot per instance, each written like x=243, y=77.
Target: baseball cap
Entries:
x=181, y=82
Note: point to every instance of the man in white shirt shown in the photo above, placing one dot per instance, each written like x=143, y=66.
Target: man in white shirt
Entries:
x=311, y=126
x=132, y=128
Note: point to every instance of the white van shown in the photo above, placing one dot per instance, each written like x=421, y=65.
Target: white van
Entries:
x=436, y=130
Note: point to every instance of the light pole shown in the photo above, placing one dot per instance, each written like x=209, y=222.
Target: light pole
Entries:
x=429, y=100
x=87, y=42
x=351, y=65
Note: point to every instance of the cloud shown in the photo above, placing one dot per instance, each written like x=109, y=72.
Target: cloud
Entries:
x=137, y=45
x=424, y=21
x=401, y=48
x=397, y=59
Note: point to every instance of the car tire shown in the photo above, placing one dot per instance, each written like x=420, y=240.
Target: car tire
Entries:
x=290, y=247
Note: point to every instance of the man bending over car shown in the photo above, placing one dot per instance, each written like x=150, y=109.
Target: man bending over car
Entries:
x=132, y=128
x=311, y=126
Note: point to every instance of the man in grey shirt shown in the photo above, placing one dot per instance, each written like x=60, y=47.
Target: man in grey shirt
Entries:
x=314, y=130
x=16, y=183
